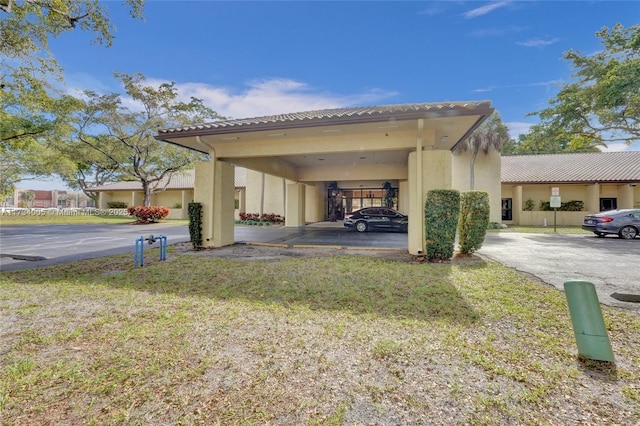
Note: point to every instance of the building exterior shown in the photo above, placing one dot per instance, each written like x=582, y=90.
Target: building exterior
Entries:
x=598, y=181
x=175, y=193
x=44, y=199
x=309, y=163
x=41, y=199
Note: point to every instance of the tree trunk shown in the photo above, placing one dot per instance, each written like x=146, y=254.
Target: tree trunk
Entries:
x=146, y=191
x=472, y=168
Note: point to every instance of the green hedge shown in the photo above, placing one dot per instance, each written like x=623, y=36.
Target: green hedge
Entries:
x=441, y=213
x=569, y=206
x=195, y=224
x=116, y=204
x=474, y=220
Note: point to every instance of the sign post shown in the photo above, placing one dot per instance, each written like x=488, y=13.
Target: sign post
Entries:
x=555, y=202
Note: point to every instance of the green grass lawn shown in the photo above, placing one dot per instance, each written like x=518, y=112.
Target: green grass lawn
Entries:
x=324, y=340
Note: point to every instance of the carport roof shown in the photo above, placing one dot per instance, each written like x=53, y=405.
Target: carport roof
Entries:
x=587, y=167
x=327, y=117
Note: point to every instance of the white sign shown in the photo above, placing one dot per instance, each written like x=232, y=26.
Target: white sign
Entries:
x=555, y=202
x=555, y=191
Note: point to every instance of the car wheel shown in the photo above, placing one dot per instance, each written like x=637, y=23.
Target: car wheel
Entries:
x=628, y=232
x=361, y=226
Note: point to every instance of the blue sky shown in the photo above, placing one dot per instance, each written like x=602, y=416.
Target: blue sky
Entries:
x=247, y=59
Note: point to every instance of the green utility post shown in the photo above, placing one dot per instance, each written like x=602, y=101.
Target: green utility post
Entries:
x=588, y=323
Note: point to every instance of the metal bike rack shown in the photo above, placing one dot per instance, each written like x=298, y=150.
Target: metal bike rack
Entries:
x=139, y=250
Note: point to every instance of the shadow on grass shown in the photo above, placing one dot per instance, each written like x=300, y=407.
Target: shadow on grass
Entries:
x=354, y=284
x=599, y=370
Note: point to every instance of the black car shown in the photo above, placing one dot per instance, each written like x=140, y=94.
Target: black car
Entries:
x=376, y=218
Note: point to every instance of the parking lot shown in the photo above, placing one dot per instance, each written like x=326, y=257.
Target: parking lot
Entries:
x=611, y=264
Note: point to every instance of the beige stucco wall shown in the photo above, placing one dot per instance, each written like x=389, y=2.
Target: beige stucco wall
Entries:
x=627, y=196
x=435, y=170
x=316, y=201
x=127, y=197
x=215, y=191
x=274, y=193
x=167, y=198
x=486, y=178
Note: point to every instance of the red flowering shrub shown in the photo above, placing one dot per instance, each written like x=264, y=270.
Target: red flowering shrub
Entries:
x=148, y=214
x=266, y=217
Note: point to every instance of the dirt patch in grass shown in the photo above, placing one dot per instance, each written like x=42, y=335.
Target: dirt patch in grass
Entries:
x=255, y=252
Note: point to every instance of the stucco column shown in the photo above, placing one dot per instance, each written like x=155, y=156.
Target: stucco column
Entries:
x=295, y=214
x=403, y=196
x=424, y=172
x=516, y=205
x=103, y=199
x=186, y=197
x=315, y=202
x=137, y=198
x=625, y=201
x=592, y=203
x=214, y=189
x=242, y=201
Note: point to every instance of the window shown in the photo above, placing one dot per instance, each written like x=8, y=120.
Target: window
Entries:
x=608, y=204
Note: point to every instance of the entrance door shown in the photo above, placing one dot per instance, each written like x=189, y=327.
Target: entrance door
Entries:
x=507, y=210
x=360, y=198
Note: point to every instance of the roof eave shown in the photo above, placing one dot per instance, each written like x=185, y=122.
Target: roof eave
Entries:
x=484, y=109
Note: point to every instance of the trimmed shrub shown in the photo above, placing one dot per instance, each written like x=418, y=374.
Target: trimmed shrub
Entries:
x=148, y=214
x=569, y=206
x=441, y=213
x=195, y=224
x=116, y=204
x=256, y=219
x=474, y=220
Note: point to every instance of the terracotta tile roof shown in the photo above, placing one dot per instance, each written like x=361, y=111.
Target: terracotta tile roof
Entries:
x=185, y=180
x=336, y=116
x=572, y=168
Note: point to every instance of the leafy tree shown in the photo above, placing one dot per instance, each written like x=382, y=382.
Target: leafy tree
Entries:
x=31, y=112
x=27, y=198
x=26, y=27
x=545, y=138
x=510, y=147
x=87, y=168
x=123, y=137
x=604, y=103
x=491, y=134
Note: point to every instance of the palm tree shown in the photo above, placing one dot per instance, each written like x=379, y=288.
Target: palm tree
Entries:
x=27, y=197
x=491, y=134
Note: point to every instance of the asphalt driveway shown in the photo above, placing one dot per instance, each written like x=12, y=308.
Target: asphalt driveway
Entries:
x=611, y=264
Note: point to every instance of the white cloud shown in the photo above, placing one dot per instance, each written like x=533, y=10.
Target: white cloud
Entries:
x=480, y=11
x=275, y=96
x=432, y=10
x=538, y=42
x=496, y=31
x=550, y=83
x=517, y=128
x=615, y=147
x=257, y=98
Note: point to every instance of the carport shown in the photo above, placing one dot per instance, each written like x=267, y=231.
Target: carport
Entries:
x=408, y=145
